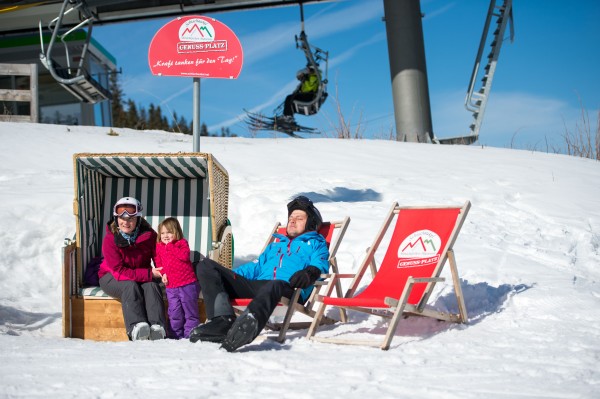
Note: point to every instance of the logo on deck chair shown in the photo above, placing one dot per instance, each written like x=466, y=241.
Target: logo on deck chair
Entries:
x=418, y=249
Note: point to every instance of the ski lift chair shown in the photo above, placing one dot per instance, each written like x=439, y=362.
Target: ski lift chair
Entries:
x=312, y=58
x=193, y=187
x=311, y=107
x=74, y=79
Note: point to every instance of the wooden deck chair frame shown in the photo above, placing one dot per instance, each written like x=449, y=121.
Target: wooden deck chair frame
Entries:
x=194, y=187
x=337, y=230
x=396, y=307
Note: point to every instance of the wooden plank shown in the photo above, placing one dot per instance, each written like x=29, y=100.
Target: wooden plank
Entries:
x=15, y=95
x=33, y=87
x=98, y=320
x=66, y=283
x=15, y=69
x=102, y=319
x=15, y=118
x=462, y=308
x=346, y=341
x=30, y=96
x=450, y=317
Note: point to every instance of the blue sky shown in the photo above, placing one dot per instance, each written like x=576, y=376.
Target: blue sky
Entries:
x=542, y=82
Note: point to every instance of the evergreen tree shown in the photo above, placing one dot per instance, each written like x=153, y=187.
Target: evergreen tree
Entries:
x=156, y=120
x=226, y=132
x=184, y=126
x=137, y=117
x=133, y=119
x=180, y=125
x=153, y=121
x=118, y=112
x=143, y=120
x=57, y=118
x=203, y=130
x=175, y=124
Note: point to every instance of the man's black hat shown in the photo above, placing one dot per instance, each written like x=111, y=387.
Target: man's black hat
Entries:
x=305, y=204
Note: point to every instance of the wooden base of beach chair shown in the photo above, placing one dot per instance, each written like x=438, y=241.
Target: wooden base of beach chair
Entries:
x=101, y=319
x=97, y=319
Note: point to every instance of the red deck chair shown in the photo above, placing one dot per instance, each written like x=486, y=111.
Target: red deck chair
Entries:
x=333, y=233
x=421, y=241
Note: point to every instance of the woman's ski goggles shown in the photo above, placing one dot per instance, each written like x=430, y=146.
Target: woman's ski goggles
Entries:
x=126, y=210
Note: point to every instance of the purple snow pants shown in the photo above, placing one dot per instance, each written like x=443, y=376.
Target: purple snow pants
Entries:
x=183, y=309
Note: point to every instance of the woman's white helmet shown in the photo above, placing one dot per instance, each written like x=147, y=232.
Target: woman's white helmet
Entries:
x=128, y=206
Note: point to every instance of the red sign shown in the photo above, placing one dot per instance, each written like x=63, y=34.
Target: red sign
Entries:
x=195, y=46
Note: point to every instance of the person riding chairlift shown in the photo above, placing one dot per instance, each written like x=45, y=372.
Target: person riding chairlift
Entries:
x=305, y=91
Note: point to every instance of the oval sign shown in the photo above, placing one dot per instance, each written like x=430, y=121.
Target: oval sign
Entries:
x=195, y=46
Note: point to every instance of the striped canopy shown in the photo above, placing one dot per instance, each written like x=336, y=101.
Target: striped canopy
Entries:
x=166, y=184
x=155, y=166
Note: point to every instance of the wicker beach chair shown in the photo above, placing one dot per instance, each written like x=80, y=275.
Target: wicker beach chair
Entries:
x=193, y=187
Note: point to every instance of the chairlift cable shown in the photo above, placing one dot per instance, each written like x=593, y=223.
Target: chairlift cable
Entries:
x=301, y=17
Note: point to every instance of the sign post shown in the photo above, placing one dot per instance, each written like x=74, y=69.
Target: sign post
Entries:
x=198, y=47
x=196, y=116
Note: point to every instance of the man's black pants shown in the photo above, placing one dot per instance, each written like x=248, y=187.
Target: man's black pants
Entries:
x=219, y=284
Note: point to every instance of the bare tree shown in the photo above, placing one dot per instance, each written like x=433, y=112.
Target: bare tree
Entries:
x=582, y=141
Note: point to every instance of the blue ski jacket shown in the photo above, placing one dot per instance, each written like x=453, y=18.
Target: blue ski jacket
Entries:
x=281, y=259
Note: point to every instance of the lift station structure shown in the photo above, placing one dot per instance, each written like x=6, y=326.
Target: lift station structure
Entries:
x=410, y=91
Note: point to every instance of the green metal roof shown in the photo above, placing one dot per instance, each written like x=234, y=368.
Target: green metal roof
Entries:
x=34, y=40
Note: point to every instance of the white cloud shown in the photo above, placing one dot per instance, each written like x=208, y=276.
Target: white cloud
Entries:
x=517, y=119
x=439, y=11
x=268, y=42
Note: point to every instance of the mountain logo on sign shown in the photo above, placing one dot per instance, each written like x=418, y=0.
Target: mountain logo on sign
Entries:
x=419, y=245
x=196, y=30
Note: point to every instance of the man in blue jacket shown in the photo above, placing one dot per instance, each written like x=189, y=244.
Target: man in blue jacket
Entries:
x=296, y=260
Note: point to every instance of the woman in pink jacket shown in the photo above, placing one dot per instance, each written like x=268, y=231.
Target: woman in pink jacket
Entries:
x=126, y=272
x=173, y=256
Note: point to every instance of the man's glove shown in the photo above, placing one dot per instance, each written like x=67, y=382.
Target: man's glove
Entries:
x=305, y=278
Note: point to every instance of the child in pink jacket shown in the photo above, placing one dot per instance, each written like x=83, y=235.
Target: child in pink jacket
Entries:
x=173, y=255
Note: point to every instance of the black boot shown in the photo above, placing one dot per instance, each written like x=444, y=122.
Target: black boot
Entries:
x=213, y=331
x=242, y=332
